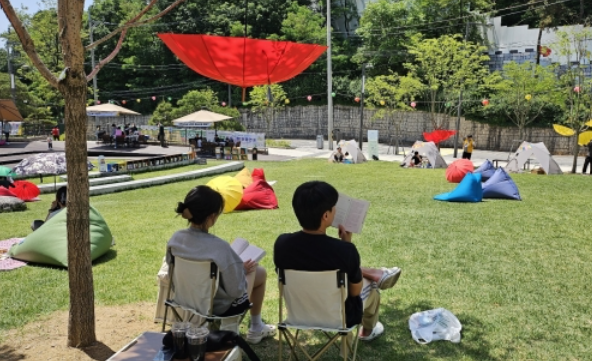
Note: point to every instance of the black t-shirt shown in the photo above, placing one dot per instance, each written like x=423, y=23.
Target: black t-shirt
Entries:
x=309, y=252
x=416, y=159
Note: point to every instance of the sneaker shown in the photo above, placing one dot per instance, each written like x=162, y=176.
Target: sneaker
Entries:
x=376, y=332
x=256, y=337
x=389, y=278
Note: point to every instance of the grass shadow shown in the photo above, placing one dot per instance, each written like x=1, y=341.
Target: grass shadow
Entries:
x=99, y=351
x=110, y=255
x=8, y=353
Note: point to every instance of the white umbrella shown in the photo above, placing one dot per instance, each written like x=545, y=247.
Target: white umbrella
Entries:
x=108, y=110
x=200, y=117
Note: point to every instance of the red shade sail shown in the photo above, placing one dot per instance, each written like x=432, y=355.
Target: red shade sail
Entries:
x=242, y=62
x=439, y=135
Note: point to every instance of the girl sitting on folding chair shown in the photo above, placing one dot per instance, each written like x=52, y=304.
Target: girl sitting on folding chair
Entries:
x=201, y=208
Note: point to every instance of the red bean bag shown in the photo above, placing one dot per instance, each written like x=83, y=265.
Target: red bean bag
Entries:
x=6, y=192
x=458, y=169
x=258, y=173
x=259, y=195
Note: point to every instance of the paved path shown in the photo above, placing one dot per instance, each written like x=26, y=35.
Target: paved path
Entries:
x=12, y=154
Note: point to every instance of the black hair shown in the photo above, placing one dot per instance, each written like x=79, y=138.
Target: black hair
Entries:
x=416, y=153
x=311, y=200
x=200, y=203
x=62, y=195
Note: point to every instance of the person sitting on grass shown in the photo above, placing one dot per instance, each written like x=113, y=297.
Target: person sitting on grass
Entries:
x=311, y=249
x=338, y=156
x=57, y=206
x=416, y=160
x=201, y=208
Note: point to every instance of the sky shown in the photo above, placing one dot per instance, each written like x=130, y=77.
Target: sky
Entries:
x=32, y=5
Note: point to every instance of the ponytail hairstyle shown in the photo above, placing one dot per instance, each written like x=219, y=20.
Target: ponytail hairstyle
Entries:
x=200, y=203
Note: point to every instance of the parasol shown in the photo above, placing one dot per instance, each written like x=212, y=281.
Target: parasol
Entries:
x=108, y=110
x=43, y=164
x=200, y=117
x=230, y=189
x=438, y=135
x=25, y=190
x=242, y=61
x=458, y=169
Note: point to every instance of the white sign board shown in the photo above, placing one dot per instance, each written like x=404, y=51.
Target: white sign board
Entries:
x=372, y=144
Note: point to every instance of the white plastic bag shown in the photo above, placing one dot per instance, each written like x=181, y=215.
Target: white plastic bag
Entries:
x=433, y=325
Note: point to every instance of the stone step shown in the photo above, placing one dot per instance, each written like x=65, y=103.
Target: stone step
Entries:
x=90, y=175
x=51, y=188
x=149, y=182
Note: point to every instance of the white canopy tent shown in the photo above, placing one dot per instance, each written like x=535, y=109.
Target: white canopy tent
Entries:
x=108, y=110
x=526, y=150
x=200, y=119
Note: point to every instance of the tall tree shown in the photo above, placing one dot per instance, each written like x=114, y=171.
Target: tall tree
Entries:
x=446, y=66
x=523, y=94
x=266, y=100
x=575, y=83
x=72, y=84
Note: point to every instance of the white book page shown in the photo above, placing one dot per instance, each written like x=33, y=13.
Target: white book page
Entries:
x=253, y=253
x=239, y=245
x=341, y=210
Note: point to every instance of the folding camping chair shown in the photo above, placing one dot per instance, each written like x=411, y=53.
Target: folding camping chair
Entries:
x=193, y=285
x=314, y=301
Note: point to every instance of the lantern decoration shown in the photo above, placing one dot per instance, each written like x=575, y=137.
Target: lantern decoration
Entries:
x=485, y=102
x=49, y=109
x=528, y=97
x=309, y=98
x=382, y=102
x=413, y=104
x=577, y=89
x=223, y=104
x=244, y=104
x=138, y=100
x=287, y=101
x=545, y=51
x=333, y=94
x=123, y=102
x=448, y=104
x=169, y=99
x=98, y=102
x=153, y=97
x=357, y=99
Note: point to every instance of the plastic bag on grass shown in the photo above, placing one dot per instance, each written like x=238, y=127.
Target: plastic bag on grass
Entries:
x=433, y=325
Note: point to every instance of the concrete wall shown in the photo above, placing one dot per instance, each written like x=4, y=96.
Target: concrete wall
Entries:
x=305, y=122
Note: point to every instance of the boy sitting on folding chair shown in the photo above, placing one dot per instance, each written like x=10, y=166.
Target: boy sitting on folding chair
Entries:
x=311, y=249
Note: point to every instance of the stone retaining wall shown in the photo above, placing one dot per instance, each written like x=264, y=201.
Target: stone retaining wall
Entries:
x=305, y=122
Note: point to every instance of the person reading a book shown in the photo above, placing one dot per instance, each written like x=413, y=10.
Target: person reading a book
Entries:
x=311, y=249
x=201, y=208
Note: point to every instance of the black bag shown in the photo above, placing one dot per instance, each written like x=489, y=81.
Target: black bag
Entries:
x=218, y=341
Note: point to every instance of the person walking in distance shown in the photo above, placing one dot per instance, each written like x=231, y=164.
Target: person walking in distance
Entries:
x=6, y=131
x=468, y=146
x=55, y=132
x=588, y=160
x=161, y=134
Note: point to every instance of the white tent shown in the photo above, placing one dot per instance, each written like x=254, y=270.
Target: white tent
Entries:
x=199, y=118
x=537, y=151
x=108, y=110
x=429, y=150
x=351, y=147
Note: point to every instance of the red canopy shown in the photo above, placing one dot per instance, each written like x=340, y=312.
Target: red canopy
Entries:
x=439, y=135
x=242, y=62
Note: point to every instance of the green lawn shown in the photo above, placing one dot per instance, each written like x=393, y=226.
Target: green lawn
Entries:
x=517, y=274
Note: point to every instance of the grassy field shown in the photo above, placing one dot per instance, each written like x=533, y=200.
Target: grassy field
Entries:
x=517, y=274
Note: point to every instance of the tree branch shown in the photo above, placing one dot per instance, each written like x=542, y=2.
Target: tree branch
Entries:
x=134, y=22
x=27, y=42
x=110, y=57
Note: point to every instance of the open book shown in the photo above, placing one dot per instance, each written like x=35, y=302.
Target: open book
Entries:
x=350, y=213
x=247, y=251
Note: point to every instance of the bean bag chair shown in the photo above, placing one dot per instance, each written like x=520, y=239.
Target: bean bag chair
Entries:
x=49, y=243
x=259, y=195
x=458, y=169
x=230, y=189
x=258, y=173
x=4, y=192
x=469, y=190
x=501, y=185
x=486, y=169
x=244, y=177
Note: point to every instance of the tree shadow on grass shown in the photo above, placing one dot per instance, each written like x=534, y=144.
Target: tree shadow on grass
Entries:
x=110, y=255
x=99, y=351
x=8, y=353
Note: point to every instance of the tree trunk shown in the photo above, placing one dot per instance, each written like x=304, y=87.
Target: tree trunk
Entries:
x=576, y=150
x=538, y=48
x=73, y=86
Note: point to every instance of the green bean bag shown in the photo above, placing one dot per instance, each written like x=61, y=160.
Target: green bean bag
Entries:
x=49, y=243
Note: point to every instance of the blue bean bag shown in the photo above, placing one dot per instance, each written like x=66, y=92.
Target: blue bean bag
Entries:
x=486, y=169
x=501, y=185
x=468, y=190
x=49, y=243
